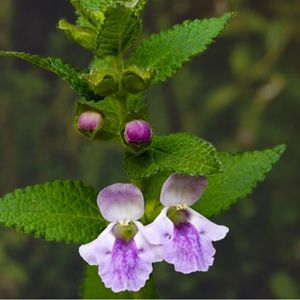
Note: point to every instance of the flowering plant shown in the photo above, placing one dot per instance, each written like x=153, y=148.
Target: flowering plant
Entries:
x=159, y=215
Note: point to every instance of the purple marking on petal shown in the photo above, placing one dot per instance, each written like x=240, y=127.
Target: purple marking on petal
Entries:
x=208, y=229
x=181, y=189
x=125, y=270
x=188, y=251
x=89, y=120
x=137, y=132
x=121, y=201
x=160, y=230
x=99, y=248
x=145, y=248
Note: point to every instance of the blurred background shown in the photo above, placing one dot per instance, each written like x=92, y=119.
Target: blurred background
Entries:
x=242, y=94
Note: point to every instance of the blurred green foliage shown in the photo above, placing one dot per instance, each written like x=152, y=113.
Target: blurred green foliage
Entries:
x=243, y=93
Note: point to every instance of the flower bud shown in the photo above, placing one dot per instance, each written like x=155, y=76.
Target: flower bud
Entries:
x=137, y=132
x=89, y=120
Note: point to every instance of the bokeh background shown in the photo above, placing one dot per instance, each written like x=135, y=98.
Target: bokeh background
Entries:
x=242, y=94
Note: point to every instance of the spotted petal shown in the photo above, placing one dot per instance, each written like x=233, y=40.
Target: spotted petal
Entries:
x=180, y=189
x=98, y=249
x=147, y=249
x=121, y=201
x=160, y=230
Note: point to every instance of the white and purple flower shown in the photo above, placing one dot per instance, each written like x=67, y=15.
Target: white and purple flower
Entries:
x=121, y=251
x=186, y=236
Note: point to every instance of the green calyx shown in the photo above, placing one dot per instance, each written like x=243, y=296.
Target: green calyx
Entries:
x=136, y=80
x=111, y=112
x=125, y=231
x=108, y=76
x=178, y=214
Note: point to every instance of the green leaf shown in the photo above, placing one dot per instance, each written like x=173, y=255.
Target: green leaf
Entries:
x=93, y=288
x=57, y=211
x=88, y=13
x=82, y=35
x=65, y=71
x=177, y=153
x=167, y=51
x=241, y=173
x=118, y=31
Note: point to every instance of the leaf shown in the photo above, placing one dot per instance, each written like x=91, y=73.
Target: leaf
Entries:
x=167, y=51
x=57, y=211
x=118, y=31
x=88, y=13
x=65, y=71
x=177, y=153
x=82, y=35
x=93, y=288
x=241, y=173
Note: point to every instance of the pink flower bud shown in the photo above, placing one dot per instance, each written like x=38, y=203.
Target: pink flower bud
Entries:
x=137, y=132
x=89, y=120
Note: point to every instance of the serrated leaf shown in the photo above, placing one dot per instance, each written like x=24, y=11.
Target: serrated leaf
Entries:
x=55, y=65
x=178, y=153
x=167, y=51
x=118, y=31
x=91, y=16
x=57, y=211
x=241, y=173
x=93, y=288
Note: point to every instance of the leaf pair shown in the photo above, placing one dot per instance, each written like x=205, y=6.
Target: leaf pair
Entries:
x=67, y=210
x=162, y=53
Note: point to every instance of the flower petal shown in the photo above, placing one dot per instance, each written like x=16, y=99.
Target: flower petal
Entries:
x=125, y=269
x=121, y=201
x=98, y=249
x=155, y=252
x=160, y=230
x=180, y=189
x=207, y=228
x=188, y=251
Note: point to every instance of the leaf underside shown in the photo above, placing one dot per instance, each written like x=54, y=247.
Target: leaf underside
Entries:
x=56, y=211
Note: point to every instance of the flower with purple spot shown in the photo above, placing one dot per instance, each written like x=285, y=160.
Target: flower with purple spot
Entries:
x=89, y=120
x=186, y=236
x=122, y=253
x=137, y=132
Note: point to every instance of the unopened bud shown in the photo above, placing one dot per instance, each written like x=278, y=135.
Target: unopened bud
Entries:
x=89, y=120
x=137, y=132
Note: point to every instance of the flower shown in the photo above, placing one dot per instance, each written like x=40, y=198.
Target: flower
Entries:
x=121, y=251
x=89, y=120
x=186, y=235
x=137, y=132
